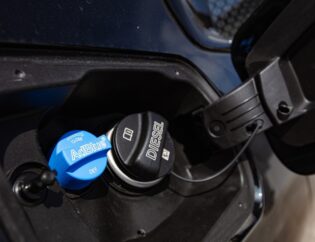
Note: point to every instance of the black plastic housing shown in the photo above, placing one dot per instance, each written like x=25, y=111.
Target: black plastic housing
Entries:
x=282, y=38
x=93, y=92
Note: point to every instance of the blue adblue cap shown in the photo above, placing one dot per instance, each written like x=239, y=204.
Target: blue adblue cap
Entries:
x=79, y=158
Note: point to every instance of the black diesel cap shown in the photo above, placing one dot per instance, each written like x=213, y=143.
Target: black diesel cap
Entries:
x=143, y=146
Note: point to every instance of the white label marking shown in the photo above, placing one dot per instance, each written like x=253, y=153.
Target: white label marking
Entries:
x=128, y=133
x=166, y=154
x=93, y=170
x=155, y=140
x=87, y=149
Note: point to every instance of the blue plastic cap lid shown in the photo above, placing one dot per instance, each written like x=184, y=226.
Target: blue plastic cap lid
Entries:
x=79, y=158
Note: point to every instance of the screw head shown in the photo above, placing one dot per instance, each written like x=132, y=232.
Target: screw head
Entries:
x=141, y=232
x=284, y=110
x=217, y=128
